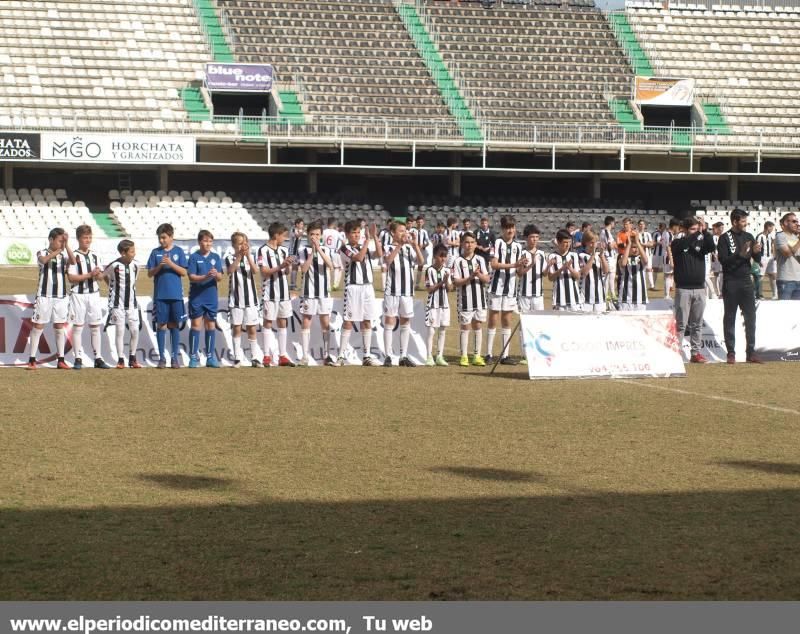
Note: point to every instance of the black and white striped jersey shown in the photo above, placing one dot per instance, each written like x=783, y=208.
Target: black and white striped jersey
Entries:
x=504, y=282
x=646, y=237
x=385, y=237
x=594, y=290
x=356, y=272
x=274, y=288
x=437, y=299
x=296, y=241
x=531, y=284
x=666, y=242
x=85, y=263
x=566, y=292
x=606, y=239
x=317, y=280
x=658, y=248
x=52, y=275
x=437, y=238
x=471, y=296
x=631, y=282
x=122, y=285
x=767, y=243
x=454, y=240
x=242, y=291
x=423, y=239
x=400, y=272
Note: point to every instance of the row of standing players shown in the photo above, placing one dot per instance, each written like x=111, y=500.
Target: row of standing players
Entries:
x=493, y=283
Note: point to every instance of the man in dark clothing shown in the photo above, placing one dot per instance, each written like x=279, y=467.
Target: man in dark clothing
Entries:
x=736, y=250
x=689, y=261
x=485, y=238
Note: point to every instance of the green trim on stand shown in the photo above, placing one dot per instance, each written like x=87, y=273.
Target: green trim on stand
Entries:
x=627, y=40
x=220, y=50
x=106, y=222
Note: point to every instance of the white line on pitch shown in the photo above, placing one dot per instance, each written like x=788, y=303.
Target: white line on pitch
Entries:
x=724, y=399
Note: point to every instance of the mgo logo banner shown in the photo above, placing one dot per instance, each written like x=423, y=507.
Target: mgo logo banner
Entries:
x=238, y=77
x=16, y=312
x=113, y=148
x=609, y=345
x=21, y=147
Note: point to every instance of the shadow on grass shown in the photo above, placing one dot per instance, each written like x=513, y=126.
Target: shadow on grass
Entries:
x=499, y=374
x=707, y=545
x=498, y=475
x=779, y=468
x=182, y=482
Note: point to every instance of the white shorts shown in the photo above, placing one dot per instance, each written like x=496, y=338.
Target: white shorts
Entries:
x=667, y=268
x=50, y=309
x=658, y=261
x=277, y=310
x=503, y=303
x=359, y=302
x=244, y=316
x=312, y=306
x=336, y=260
x=594, y=308
x=437, y=317
x=120, y=316
x=85, y=308
x=633, y=307
x=530, y=304
x=716, y=267
x=398, y=306
x=768, y=266
x=468, y=316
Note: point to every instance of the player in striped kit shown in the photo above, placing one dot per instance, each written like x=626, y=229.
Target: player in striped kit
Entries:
x=84, y=301
x=275, y=264
x=316, y=267
x=401, y=259
x=563, y=269
x=666, y=241
x=716, y=267
x=243, y=299
x=359, y=293
x=424, y=241
x=385, y=238
x=609, y=245
x=437, y=309
x=506, y=253
x=646, y=239
x=123, y=305
x=470, y=275
x=452, y=240
x=658, y=250
x=632, y=285
x=296, y=241
x=768, y=264
x=531, y=270
x=51, y=302
x=333, y=239
x=594, y=268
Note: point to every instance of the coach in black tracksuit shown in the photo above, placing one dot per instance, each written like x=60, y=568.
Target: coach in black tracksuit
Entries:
x=735, y=249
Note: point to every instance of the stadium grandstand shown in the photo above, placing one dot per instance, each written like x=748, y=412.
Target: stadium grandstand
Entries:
x=552, y=111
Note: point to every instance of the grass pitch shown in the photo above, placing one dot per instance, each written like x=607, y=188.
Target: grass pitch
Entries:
x=373, y=483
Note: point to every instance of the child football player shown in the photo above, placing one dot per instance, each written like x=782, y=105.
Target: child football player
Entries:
x=531, y=269
x=452, y=240
x=298, y=234
x=243, y=299
x=51, y=302
x=85, y=304
x=167, y=264
x=594, y=268
x=123, y=305
x=205, y=272
x=631, y=275
x=316, y=266
x=470, y=275
x=437, y=309
x=401, y=258
x=332, y=239
x=359, y=293
x=275, y=264
x=503, y=288
x=564, y=271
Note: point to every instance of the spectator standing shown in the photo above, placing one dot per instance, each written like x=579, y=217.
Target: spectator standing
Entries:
x=787, y=255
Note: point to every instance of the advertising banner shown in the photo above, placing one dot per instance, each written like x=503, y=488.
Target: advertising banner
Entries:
x=19, y=147
x=117, y=148
x=777, y=331
x=636, y=344
x=664, y=91
x=238, y=77
x=15, y=325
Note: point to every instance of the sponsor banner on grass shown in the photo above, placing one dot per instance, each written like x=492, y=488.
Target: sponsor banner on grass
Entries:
x=238, y=77
x=19, y=147
x=777, y=331
x=117, y=148
x=560, y=345
x=15, y=325
x=664, y=91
